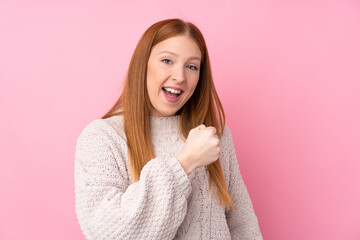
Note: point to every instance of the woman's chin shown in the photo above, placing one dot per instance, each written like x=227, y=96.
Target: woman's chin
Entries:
x=167, y=113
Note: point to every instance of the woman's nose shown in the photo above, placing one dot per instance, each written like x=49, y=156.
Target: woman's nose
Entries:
x=178, y=74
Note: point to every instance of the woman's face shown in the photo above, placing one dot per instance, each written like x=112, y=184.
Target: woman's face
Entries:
x=172, y=74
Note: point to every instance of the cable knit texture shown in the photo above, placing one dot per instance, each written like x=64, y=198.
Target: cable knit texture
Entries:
x=165, y=203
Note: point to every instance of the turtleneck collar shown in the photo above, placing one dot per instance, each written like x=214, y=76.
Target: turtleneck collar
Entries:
x=168, y=124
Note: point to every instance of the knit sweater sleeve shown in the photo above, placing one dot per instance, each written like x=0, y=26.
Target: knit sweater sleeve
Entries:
x=242, y=221
x=109, y=206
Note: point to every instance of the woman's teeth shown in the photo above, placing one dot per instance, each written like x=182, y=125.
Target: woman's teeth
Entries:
x=173, y=90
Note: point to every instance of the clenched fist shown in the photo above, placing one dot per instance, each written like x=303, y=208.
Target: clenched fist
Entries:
x=201, y=148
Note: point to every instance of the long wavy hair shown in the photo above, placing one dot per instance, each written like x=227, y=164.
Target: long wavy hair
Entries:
x=203, y=107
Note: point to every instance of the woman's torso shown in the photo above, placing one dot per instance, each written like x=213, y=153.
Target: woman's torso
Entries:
x=205, y=218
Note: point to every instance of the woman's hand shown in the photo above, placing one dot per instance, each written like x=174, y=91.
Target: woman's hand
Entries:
x=201, y=148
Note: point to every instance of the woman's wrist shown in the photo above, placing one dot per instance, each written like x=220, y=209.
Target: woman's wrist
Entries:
x=185, y=163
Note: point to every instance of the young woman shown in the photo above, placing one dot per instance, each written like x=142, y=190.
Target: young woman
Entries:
x=161, y=163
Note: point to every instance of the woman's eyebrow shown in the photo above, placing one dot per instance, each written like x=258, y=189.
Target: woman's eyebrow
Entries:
x=194, y=57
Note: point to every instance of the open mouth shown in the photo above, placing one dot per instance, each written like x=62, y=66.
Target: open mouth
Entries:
x=171, y=95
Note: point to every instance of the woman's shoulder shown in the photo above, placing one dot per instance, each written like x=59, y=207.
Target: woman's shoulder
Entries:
x=226, y=136
x=227, y=155
x=116, y=122
x=111, y=127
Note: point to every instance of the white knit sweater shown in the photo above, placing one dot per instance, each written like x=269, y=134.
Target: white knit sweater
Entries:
x=165, y=203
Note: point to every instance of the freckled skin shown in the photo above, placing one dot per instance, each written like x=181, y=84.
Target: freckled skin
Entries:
x=165, y=69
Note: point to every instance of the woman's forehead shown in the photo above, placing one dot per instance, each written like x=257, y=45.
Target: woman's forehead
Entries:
x=178, y=45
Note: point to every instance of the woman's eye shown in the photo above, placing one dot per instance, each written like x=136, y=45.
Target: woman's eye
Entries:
x=166, y=60
x=193, y=67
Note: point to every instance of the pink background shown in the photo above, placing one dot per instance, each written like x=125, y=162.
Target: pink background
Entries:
x=287, y=73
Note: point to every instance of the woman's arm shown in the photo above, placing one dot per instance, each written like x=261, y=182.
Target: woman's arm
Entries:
x=109, y=207
x=242, y=221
